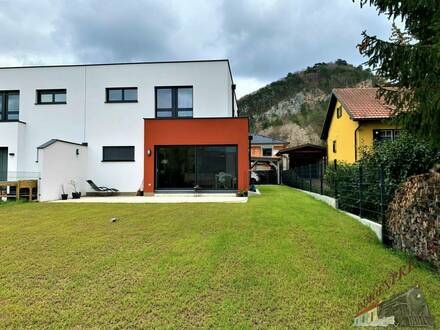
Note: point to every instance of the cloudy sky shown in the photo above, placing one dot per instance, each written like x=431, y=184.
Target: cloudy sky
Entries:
x=264, y=39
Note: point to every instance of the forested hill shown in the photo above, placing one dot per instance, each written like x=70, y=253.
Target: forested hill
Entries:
x=293, y=108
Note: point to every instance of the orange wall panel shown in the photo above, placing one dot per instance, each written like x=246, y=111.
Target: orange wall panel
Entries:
x=197, y=131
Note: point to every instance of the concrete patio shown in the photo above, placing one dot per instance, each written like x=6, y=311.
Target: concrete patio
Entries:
x=161, y=198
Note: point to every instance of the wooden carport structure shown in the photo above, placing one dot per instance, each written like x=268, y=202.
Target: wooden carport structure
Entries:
x=304, y=154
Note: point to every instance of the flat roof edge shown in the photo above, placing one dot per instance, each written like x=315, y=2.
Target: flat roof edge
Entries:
x=115, y=63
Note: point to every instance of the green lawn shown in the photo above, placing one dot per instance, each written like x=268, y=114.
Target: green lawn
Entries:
x=283, y=259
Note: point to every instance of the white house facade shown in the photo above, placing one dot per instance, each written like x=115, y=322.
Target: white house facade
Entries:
x=99, y=112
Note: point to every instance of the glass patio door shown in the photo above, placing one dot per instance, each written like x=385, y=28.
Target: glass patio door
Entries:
x=175, y=168
x=212, y=168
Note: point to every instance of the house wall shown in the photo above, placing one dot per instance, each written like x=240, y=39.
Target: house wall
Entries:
x=219, y=131
x=9, y=139
x=87, y=118
x=59, y=164
x=365, y=136
x=256, y=151
x=344, y=130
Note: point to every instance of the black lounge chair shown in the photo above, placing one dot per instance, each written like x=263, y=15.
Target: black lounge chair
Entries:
x=102, y=190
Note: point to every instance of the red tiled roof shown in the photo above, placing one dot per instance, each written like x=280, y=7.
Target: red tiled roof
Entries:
x=362, y=103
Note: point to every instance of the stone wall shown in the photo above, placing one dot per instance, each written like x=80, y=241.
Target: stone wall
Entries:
x=413, y=218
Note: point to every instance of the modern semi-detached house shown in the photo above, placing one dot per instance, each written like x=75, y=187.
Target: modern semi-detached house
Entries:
x=153, y=126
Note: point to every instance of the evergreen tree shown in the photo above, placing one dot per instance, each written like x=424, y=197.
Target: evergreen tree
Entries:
x=410, y=63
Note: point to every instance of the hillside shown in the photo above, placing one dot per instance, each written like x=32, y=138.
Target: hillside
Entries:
x=293, y=108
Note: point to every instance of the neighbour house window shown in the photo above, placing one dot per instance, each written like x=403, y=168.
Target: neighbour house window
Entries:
x=9, y=105
x=51, y=96
x=174, y=102
x=118, y=154
x=334, y=146
x=385, y=134
x=121, y=95
x=339, y=112
x=267, y=151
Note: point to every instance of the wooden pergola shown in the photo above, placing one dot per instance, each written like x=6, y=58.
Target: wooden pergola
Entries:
x=272, y=161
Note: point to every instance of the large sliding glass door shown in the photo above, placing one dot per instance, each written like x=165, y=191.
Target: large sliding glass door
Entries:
x=175, y=168
x=210, y=167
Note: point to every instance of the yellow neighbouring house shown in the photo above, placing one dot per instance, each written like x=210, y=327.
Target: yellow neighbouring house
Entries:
x=355, y=119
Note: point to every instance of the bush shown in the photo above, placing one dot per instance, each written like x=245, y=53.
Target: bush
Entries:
x=397, y=159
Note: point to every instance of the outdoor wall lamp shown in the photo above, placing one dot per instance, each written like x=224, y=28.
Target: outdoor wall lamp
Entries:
x=11, y=154
x=148, y=152
x=77, y=152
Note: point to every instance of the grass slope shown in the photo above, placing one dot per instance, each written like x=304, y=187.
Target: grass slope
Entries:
x=283, y=260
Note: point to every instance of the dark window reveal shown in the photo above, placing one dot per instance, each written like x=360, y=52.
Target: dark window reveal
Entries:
x=118, y=154
x=339, y=112
x=174, y=102
x=119, y=95
x=51, y=96
x=9, y=105
x=267, y=151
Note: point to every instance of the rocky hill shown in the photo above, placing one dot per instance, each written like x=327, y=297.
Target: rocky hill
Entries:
x=293, y=108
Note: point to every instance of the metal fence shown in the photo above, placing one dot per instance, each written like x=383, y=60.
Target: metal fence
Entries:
x=366, y=193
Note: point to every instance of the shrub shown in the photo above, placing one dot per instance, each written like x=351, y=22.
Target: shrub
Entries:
x=397, y=159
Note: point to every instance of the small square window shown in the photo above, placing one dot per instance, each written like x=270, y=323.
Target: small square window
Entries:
x=176, y=102
x=46, y=98
x=267, y=152
x=164, y=98
x=131, y=94
x=60, y=98
x=185, y=98
x=114, y=95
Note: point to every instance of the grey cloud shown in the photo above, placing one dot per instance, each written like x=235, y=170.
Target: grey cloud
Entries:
x=117, y=30
x=264, y=39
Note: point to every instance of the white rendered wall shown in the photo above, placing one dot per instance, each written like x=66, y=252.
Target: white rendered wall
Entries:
x=9, y=139
x=87, y=118
x=59, y=165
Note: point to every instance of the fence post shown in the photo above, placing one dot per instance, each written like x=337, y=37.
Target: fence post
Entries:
x=360, y=191
x=382, y=188
x=321, y=176
x=385, y=235
x=335, y=162
x=310, y=177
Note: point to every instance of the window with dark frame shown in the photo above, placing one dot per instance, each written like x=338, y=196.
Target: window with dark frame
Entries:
x=9, y=105
x=380, y=135
x=121, y=94
x=339, y=112
x=267, y=151
x=118, y=154
x=174, y=102
x=51, y=96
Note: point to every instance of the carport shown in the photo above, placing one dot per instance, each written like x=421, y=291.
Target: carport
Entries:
x=274, y=163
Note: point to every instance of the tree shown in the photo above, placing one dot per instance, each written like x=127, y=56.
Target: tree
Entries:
x=410, y=63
